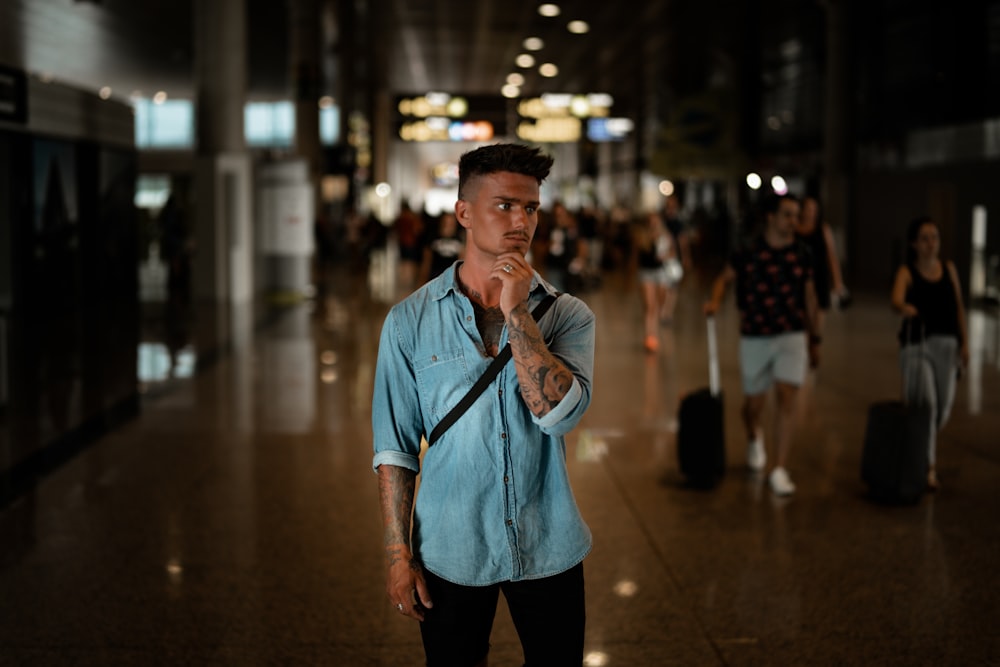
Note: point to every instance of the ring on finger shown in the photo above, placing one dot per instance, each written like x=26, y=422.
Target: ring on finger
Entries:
x=507, y=268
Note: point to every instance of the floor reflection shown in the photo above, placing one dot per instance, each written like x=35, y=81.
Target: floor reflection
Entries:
x=240, y=512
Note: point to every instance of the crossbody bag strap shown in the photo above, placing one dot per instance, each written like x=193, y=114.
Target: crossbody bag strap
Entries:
x=485, y=379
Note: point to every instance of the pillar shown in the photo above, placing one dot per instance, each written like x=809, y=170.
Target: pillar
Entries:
x=223, y=230
x=836, y=193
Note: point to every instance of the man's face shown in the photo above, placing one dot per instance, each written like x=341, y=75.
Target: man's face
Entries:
x=499, y=212
x=784, y=220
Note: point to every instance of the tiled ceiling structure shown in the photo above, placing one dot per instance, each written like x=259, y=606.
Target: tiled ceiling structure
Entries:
x=632, y=50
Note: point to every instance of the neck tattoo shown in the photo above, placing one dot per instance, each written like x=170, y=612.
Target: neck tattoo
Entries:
x=489, y=320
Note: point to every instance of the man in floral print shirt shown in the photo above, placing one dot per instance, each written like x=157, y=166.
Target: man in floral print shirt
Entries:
x=779, y=330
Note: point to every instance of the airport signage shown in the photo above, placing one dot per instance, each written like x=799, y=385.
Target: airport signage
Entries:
x=439, y=116
x=445, y=129
x=609, y=129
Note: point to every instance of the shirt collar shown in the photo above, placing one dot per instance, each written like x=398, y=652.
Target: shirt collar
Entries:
x=447, y=283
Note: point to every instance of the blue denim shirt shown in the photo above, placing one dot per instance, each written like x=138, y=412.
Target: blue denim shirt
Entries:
x=494, y=501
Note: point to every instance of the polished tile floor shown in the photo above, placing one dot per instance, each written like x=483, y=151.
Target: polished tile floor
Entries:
x=236, y=521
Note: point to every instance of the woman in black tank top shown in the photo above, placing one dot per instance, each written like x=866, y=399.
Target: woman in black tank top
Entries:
x=817, y=235
x=933, y=336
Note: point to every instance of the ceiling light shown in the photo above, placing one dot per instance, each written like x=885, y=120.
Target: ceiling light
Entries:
x=600, y=100
x=105, y=92
x=548, y=9
x=549, y=70
x=557, y=100
x=515, y=79
x=510, y=91
x=580, y=106
x=437, y=99
x=534, y=44
x=525, y=60
x=578, y=27
x=457, y=107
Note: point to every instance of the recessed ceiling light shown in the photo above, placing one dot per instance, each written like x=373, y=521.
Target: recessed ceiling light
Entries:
x=548, y=69
x=515, y=79
x=105, y=92
x=525, y=60
x=534, y=44
x=510, y=91
x=548, y=9
x=578, y=27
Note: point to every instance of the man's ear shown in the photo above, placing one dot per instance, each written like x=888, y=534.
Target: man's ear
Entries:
x=463, y=213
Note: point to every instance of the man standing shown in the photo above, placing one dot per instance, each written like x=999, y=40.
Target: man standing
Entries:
x=779, y=330
x=495, y=511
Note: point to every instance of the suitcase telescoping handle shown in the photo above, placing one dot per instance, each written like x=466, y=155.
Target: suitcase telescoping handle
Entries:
x=713, y=357
x=920, y=398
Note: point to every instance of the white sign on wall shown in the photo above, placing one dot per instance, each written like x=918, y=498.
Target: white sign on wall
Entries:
x=287, y=219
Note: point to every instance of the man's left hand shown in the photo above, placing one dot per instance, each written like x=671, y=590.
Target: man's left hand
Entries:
x=513, y=270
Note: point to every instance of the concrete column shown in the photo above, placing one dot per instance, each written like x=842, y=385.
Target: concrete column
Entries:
x=307, y=80
x=836, y=193
x=223, y=236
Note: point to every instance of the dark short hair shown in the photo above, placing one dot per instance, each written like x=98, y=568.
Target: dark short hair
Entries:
x=774, y=203
x=514, y=158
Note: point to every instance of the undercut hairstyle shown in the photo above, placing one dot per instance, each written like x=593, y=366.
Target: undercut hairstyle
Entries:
x=513, y=158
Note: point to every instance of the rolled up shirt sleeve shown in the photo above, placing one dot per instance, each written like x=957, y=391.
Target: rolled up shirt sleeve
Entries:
x=396, y=422
x=573, y=344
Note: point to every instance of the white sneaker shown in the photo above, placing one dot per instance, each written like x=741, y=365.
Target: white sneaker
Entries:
x=781, y=483
x=756, y=456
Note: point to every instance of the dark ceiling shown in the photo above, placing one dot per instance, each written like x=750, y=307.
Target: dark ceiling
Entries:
x=634, y=51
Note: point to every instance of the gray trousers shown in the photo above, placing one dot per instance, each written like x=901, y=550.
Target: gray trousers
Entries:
x=929, y=372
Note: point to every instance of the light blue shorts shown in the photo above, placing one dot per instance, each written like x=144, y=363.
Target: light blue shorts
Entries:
x=765, y=360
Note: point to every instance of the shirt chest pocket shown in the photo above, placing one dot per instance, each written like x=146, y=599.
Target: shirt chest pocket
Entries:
x=442, y=379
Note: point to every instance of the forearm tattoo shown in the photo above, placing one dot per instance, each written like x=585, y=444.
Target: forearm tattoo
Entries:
x=544, y=380
x=396, y=487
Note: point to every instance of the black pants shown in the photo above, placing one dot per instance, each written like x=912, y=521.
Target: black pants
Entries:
x=549, y=615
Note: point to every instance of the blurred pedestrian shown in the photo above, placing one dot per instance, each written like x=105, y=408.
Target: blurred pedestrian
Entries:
x=409, y=228
x=654, y=249
x=933, y=338
x=779, y=330
x=816, y=234
x=445, y=246
x=566, y=251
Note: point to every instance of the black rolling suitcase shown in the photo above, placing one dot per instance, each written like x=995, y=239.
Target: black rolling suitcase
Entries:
x=894, y=460
x=701, y=442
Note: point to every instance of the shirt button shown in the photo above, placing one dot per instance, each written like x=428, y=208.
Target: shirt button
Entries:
x=434, y=357
x=509, y=522
x=468, y=318
x=506, y=479
x=503, y=436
